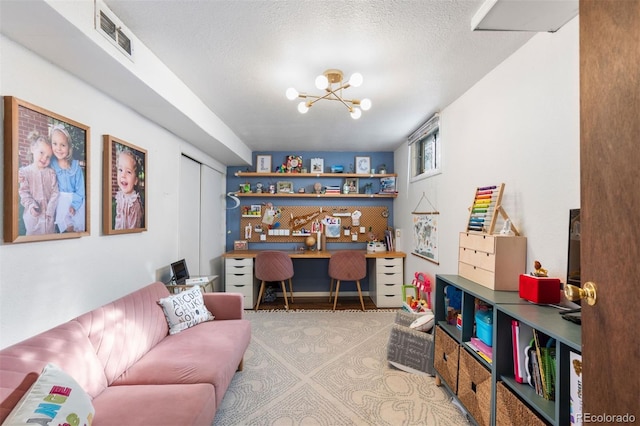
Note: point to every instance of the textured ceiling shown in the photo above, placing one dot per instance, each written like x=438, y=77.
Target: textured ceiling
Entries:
x=239, y=57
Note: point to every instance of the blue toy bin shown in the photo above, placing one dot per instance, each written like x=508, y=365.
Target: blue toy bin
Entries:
x=484, y=326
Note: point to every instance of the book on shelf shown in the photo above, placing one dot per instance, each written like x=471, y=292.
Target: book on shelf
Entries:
x=575, y=389
x=389, y=240
x=539, y=359
x=522, y=334
x=482, y=347
x=482, y=354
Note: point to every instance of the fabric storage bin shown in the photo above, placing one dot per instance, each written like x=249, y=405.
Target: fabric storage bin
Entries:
x=474, y=388
x=408, y=349
x=446, y=357
x=511, y=411
x=484, y=326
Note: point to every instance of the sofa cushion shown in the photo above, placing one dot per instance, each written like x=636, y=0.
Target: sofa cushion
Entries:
x=54, y=398
x=207, y=353
x=122, y=331
x=66, y=345
x=158, y=405
x=185, y=309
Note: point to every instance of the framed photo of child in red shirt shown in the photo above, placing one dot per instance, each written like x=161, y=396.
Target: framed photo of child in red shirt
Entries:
x=124, y=193
x=46, y=170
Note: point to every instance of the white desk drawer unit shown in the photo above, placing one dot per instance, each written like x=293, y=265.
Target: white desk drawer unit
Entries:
x=386, y=275
x=494, y=261
x=239, y=279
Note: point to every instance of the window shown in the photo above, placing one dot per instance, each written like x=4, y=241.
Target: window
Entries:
x=424, y=149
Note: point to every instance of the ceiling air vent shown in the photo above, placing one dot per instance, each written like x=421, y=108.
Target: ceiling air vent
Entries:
x=109, y=26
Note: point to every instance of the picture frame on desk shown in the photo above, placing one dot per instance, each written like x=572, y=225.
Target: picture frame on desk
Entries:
x=36, y=206
x=263, y=164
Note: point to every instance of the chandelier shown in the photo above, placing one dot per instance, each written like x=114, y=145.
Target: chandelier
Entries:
x=332, y=82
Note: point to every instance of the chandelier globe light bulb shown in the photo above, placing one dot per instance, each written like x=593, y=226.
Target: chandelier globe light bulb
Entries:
x=303, y=108
x=292, y=93
x=322, y=82
x=365, y=104
x=355, y=80
x=356, y=113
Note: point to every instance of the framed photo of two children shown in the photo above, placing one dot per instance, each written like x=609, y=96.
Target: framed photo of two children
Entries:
x=46, y=174
x=124, y=187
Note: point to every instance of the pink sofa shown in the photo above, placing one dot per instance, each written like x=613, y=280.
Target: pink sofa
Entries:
x=135, y=372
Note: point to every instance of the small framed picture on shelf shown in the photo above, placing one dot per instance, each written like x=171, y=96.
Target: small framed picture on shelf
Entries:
x=294, y=164
x=351, y=185
x=263, y=163
x=317, y=165
x=363, y=165
x=387, y=185
x=285, y=187
x=240, y=245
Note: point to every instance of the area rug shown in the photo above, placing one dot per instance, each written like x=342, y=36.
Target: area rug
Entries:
x=329, y=368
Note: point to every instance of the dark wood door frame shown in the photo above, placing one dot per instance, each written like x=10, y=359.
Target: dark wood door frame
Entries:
x=610, y=207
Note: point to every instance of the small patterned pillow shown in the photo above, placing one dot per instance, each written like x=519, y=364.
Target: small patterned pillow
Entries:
x=185, y=309
x=55, y=399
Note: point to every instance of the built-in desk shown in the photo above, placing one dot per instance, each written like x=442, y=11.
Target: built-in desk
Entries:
x=386, y=274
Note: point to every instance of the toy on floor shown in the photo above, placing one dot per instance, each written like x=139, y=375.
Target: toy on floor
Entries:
x=423, y=284
x=415, y=305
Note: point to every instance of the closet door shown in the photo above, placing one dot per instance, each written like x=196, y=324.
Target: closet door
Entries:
x=212, y=224
x=189, y=214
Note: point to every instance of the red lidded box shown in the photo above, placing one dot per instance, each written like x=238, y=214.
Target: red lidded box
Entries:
x=539, y=289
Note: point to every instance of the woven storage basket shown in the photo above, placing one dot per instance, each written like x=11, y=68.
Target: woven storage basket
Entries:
x=474, y=388
x=511, y=411
x=446, y=358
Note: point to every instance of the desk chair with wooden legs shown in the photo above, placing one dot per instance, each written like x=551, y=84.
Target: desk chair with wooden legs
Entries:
x=347, y=265
x=274, y=266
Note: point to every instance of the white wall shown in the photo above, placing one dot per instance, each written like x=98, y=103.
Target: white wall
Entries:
x=43, y=284
x=518, y=125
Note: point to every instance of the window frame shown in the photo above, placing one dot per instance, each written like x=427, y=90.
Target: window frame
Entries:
x=427, y=134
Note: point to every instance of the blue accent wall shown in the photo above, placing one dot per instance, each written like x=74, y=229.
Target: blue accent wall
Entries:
x=311, y=274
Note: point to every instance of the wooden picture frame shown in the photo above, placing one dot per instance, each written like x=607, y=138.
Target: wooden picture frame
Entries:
x=317, y=165
x=353, y=185
x=124, y=204
x=363, y=165
x=60, y=208
x=263, y=164
x=284, y=187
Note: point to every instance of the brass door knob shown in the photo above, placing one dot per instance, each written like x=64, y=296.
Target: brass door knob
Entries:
x=588, y=292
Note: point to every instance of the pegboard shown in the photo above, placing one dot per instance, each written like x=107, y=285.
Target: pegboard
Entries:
x=296, y=218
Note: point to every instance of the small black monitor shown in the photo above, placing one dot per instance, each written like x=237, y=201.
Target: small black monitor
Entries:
x=179, y=271
x=573, y=257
